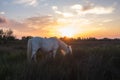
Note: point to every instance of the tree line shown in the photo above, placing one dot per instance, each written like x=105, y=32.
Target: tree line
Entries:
x=7, y=35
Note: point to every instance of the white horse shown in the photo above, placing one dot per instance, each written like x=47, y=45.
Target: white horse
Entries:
x=48, y=45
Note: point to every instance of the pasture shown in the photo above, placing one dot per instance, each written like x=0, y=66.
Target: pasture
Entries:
x=91, y=60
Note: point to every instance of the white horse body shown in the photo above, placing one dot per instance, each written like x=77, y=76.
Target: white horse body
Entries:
x=47, y=45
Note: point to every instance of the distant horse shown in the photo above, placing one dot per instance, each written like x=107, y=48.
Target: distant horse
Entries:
x=47, y=45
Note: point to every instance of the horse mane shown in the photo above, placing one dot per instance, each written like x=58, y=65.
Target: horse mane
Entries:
x=62, y=44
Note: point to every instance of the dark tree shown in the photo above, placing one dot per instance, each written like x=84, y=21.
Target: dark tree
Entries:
x=25, y=38
x=6, y=35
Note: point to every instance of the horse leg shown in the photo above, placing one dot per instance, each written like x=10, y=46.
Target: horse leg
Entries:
x=33, y=57
x=54, y=53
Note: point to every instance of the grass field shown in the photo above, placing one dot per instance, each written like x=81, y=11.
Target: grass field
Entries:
x=91, y=60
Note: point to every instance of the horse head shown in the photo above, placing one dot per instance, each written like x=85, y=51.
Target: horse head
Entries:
x=65, y=49
x=69, y=50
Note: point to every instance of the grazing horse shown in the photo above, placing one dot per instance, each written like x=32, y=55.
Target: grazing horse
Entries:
x=47, y=45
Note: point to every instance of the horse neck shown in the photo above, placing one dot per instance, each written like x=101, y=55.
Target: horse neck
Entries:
x=62, y=45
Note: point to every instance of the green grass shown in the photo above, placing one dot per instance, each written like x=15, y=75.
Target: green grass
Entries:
x=88, y=62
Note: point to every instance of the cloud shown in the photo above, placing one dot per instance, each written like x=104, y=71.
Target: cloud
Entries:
x=79, y=16
x=18, y=28
x=76, y=7
x=3, y=20
x=87, y=7
x=42, y=25
x=33, y=26
x=65, y=14
x=27, y=2
x=78, y=10
x=62, y=14
x=91, y=9
x=2, y=12
x=107, y=20
x=101, y=10
x=40, y=21
x=12, y=24
x=54, y=7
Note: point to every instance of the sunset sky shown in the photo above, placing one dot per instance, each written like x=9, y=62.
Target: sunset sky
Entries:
x=71, y=18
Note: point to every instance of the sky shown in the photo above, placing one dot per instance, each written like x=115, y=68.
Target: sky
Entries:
x=71, y=18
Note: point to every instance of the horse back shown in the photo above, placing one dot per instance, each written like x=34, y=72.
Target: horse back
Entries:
x=50, y=43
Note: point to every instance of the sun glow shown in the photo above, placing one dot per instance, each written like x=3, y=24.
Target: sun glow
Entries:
x=67, y=31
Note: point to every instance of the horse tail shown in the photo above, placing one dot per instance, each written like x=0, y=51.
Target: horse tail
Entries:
x=29, y=50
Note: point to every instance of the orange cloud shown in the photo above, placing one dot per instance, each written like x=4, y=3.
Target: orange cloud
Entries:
x=40, y=22
x=33, y=26
x=3, y=20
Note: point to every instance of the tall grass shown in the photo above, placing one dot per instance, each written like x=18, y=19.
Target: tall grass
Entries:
x=86, y=63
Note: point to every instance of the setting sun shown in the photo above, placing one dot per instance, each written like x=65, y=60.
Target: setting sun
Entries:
x=67, y=31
